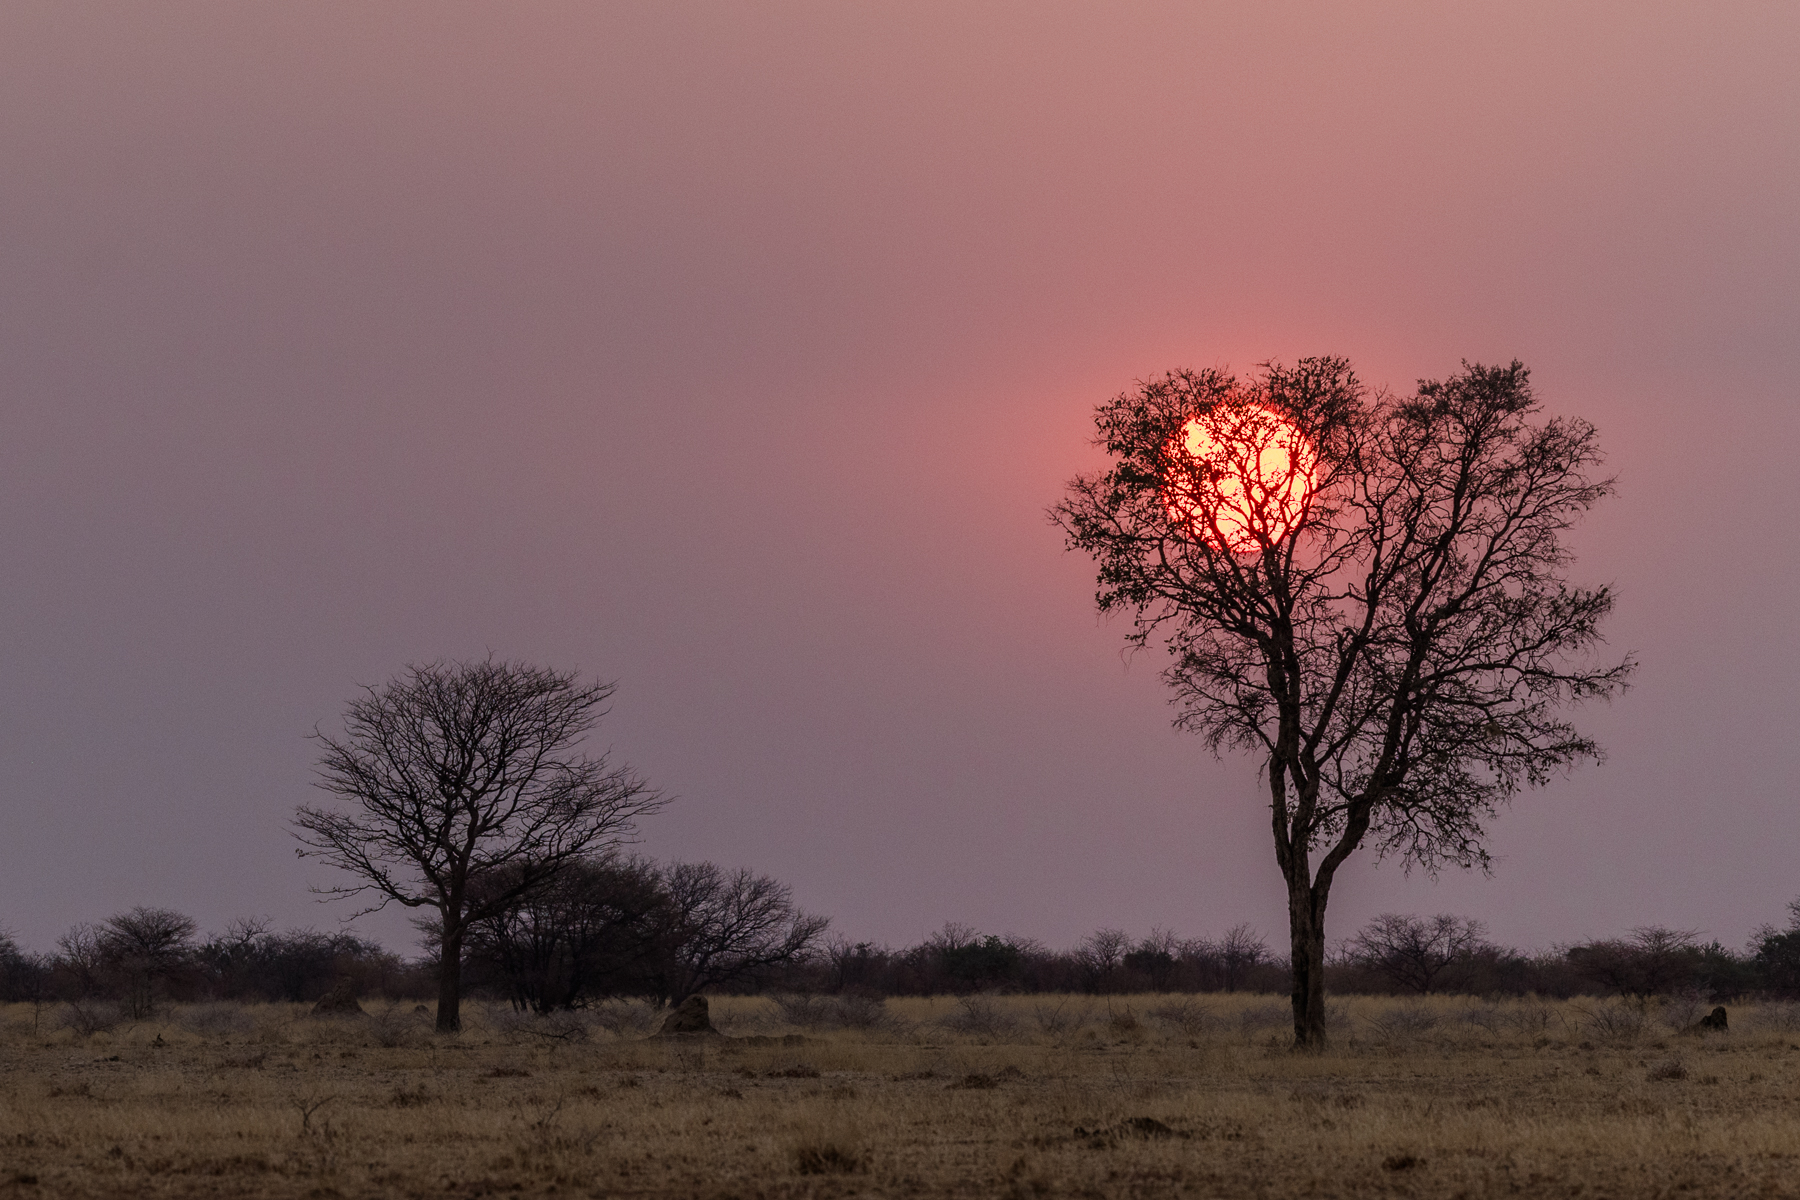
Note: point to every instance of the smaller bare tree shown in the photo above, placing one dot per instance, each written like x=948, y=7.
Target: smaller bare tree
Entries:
x=593, y=931
x=81, y=961
x=1099, y=955
x=458, y=775
x=1154, y=958
x=1653, y=961
x=1241, y=949
x=145, y=949
x=1417, y=953
x=728, y=926
x=24, y=977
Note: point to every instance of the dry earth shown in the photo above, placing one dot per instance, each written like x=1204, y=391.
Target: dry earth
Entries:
x=1018, y=1096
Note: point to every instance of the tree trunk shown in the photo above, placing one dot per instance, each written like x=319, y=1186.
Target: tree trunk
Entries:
x=1306, y=926
x=449, y=1005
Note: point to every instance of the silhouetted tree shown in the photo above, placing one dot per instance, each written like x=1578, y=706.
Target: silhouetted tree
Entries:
x=1777, y=955
x=1416, y=954
x=11, y=959
x=727, y=927
x=597, y=929
x=251, y=961
x=1153, y=959
x=143, y=950
x=80, y=962
x=1653, y=961
x=1365, y=590
x=23, y=976
x=980, y=963
x=857, y=966
x=456, y=775
x=1233, y=957
x=1100, y=954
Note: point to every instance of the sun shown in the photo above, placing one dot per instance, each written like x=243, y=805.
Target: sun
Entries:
x=1240, y=478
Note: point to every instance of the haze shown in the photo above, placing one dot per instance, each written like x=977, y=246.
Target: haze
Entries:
x=735, y=352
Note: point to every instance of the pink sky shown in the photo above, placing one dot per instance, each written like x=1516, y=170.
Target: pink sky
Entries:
x=735, y=352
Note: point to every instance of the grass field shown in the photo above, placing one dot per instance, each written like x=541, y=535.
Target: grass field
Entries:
x=1012, y=1096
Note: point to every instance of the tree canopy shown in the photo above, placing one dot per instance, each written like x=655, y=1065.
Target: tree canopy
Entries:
x=1396, y=639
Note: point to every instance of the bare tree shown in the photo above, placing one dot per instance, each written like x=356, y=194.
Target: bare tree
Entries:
x=82, y=959
x=595, y=930
x=1239, y=950
x=1653, y=961
x=1099, y=955
x=729, y=926
x=144, y=948
x=1154, y=957
x=23, y=976
x=1416, y=952
x=458, y=774
x=1776, y=953
x=1364, y=590
x=855, y=965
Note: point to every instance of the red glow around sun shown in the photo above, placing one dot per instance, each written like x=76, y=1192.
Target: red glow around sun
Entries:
x=1243, y=478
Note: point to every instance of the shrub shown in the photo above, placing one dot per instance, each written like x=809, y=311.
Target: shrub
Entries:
x=1405, y=1021
x=625, y=1018
x=88, y=1017
x=1265, y=1016
x=1187, y=1016
x=853, y=1010
x=827, y=1154
x=1615, y=1021
x=980, y=1014
x=216, y=1018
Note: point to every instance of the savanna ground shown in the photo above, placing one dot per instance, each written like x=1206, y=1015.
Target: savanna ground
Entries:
x=1013, y=1096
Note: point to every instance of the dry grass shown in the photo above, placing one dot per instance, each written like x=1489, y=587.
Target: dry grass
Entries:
x=1022, y=1096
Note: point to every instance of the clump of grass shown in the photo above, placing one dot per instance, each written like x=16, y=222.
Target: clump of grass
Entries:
x=1264, y=1016
x=1615, y=1021
x=1668, y=1070
x=1404, y=1021
x=975, y=1082
x=828, y=1152
x=563, y=1026
x=797, y=1071
x=216, y=1019
x=626, y=1018
x=1780, y=1017
x=848, y=1011
x=1187, y=1015
x=394, y=1025
x=88, y=1017
x=981, y=1014
x=1124, y=1023
x=1058, y=1017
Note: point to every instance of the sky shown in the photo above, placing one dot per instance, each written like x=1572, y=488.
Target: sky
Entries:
x=735, y=353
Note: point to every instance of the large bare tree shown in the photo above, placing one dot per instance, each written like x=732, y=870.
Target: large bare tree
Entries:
x=463, y=790
x=1366, y=591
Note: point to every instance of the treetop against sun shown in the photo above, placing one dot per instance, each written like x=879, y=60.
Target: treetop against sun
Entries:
x=1240, y=477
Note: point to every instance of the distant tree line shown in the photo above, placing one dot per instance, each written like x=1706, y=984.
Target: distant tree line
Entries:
x=147, y=957
x=606, y=927
x=628, y=927
x=1393, y=954
x=1446, y=954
